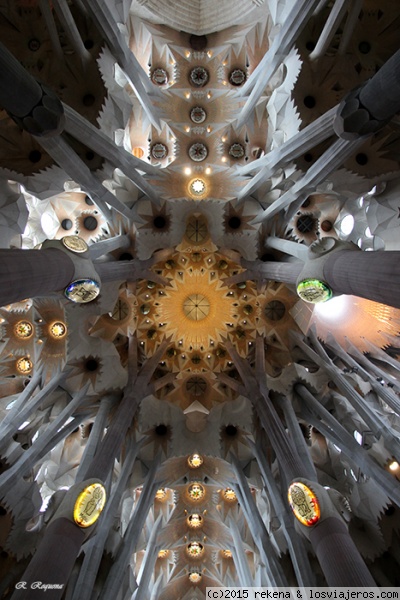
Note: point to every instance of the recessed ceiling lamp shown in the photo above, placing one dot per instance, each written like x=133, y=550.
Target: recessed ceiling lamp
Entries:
x=197, y=188
x=196, y=491
x=229, y=495
x=194, y=521
x=195, y=461
x=195, y=549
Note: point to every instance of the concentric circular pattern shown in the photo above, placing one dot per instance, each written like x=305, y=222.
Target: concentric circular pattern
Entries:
x=196, y=492
x=159, y=151
x=229, y=495
x=198, y=310
x=159, y=76
x=24, y=365
x=23, y=330
x=58, y=330
x=198, y=152
x=236, y=150
x=237, y=77
x=195, y=549
x=195, y=461
x=198, y=114
x=194, y=521
x=199, y=76
x=196, y=307
x=161, y=494
x=197, y=188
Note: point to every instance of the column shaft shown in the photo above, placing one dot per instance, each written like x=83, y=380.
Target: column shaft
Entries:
x=381, y=95
x=31, y=273
x=338, y=556
x=371, y=275
x=53, y=560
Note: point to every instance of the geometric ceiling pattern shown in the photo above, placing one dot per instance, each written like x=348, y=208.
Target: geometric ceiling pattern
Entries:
x=196, y=172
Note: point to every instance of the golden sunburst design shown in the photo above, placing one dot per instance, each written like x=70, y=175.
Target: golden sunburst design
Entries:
x=197, y=309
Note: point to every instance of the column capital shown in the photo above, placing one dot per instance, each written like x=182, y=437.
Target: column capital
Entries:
x=353, y=119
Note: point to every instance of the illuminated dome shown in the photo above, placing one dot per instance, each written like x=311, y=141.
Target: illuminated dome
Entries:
x=195, y=549
x=194, y=521
x=23, y=329
x=195, y=461
x=196, y=492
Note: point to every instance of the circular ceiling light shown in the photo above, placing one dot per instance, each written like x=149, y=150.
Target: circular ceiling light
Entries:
x=197, y=188
x=196, y=492
x=195, y=549
x=195, y=577
x=58, y=329
x=23, y=330
x=24, y=365
x=229, y=495
x=161, y=494
x=195, y=461
x=194, y=521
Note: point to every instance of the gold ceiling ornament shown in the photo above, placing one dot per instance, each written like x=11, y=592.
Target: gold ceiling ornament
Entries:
x=195, y=577
x=194, y=521
x=196, y=492
x=226, y=553
x=196, y=307
x=58, y=330
x=229, y=495
x=24, y=365
x=195, y=549
x=23, y=330
x=195, y=461
x=163, y=553
x=161, y=494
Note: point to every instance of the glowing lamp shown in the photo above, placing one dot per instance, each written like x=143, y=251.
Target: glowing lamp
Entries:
x=304, y=504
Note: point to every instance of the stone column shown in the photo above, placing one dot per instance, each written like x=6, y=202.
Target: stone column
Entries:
x=31, y=273
x=56, y=554
x=371, y=275
x=338, y=556
x=53, y=561
x=367, y=109
x=33, y=106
